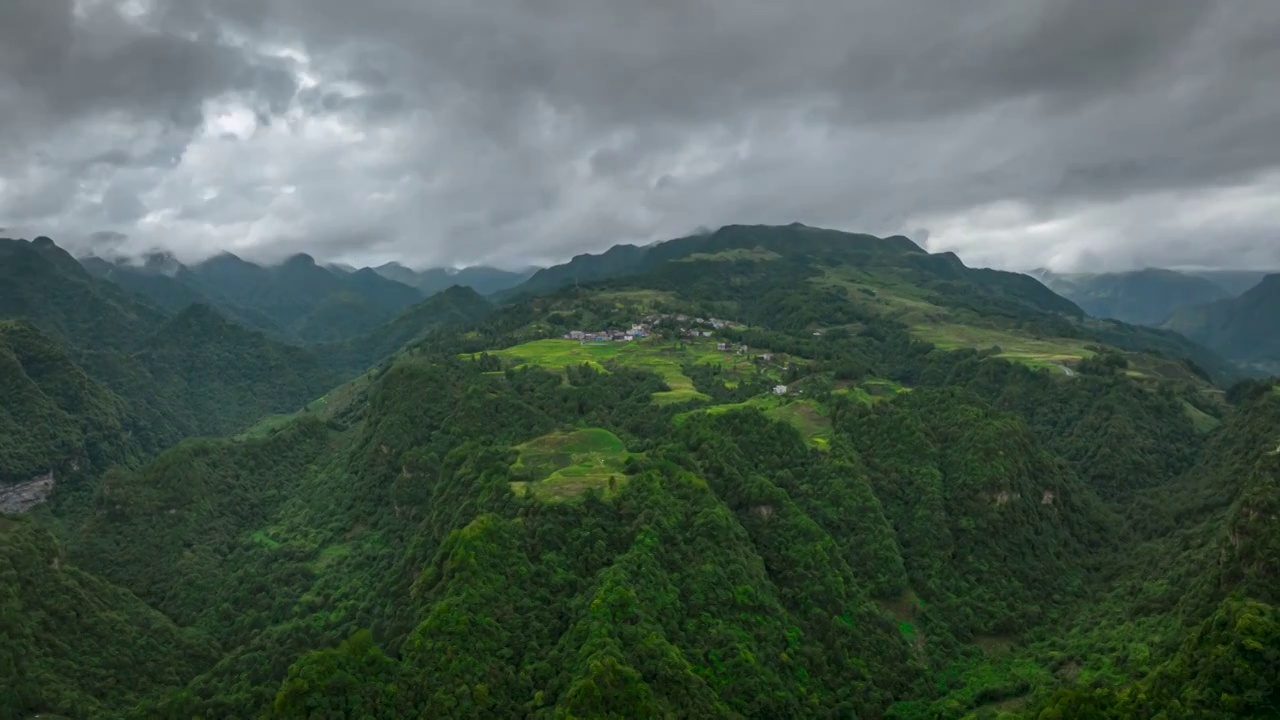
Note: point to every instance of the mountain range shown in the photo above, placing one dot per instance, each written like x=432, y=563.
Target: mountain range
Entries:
x=1232, y=312
x=298, y=301
x=765, y=471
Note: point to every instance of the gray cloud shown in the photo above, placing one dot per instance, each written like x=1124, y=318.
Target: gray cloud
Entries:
x=1016, y=132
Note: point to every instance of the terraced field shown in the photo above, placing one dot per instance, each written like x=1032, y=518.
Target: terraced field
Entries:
x=665, y=359
x=563, y=465
x=1049, y=353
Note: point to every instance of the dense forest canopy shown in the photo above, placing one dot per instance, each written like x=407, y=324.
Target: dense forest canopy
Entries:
x=762, y=472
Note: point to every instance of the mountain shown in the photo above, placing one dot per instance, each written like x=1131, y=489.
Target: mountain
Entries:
x=1142, y=297
x=939, y=297
x=1235, y=282
x=297, y=300
x=194, y=373
x=45, y=285
x=1245, y=329
x=454, y=307
x=223, y=375
x=828, y=475
x=313, y=303
x=54, y=418
x=482, y=279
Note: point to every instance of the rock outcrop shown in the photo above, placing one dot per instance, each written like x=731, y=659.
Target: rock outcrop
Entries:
x=19, y=498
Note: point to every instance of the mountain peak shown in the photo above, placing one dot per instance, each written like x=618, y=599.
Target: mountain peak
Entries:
x=301, y=260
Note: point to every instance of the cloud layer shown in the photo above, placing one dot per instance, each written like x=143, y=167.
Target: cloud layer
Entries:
x=1074, y=134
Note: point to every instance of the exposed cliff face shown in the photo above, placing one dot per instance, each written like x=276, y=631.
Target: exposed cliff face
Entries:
x=19, y=498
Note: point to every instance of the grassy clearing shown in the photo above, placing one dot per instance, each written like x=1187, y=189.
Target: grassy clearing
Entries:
x=266, y=541
x=564, y=465
x=1203, y=421
x=330, y=555
x=665, y=359
x=1048, y=353
x=807, y=416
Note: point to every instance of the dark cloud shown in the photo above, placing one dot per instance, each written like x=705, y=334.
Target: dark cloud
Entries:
x=1018, y=132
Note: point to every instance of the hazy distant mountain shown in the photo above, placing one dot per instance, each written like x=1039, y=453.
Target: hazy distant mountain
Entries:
x=484, y=280
x=189, y=373
x=298, y=300
x=1142, y=297
x=1235, y=282
x=1245, y=328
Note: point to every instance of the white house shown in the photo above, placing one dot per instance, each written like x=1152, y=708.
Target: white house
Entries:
x=779, y=389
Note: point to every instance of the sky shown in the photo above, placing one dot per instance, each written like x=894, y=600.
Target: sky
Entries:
x=1071, y=134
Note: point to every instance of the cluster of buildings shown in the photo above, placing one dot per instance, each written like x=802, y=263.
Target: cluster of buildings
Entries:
x=692, y=327
x=635, y=332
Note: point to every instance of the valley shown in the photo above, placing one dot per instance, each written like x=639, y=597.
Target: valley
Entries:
x=766, y=471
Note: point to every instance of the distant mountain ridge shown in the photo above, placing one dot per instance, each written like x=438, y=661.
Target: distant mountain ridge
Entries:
x=484, y=280
x=1142, y=297
x=298, y=300
x=192, y=373
x=1235, y=313
x=1244, y=328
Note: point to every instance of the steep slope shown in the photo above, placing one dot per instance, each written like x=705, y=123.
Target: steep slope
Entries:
x=224, y=375
x=53, y=417
x=41, y=283
x=1199, y=596
x=173, y=287
x=456, y=306
x=312, y=303
x=187, y=375
x=1245, y=329
x=297, y=300
x=1141, y=297
x=66, y=637
x=1235, y=282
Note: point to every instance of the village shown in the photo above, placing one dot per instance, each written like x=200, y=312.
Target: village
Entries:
x=686, y=327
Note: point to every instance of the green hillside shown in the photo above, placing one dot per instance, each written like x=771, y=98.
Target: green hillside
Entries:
x=773, y=472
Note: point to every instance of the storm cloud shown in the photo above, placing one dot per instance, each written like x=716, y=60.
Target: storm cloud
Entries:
x=1018, y=133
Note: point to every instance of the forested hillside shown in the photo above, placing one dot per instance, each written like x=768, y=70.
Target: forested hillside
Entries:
x=759, y=473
